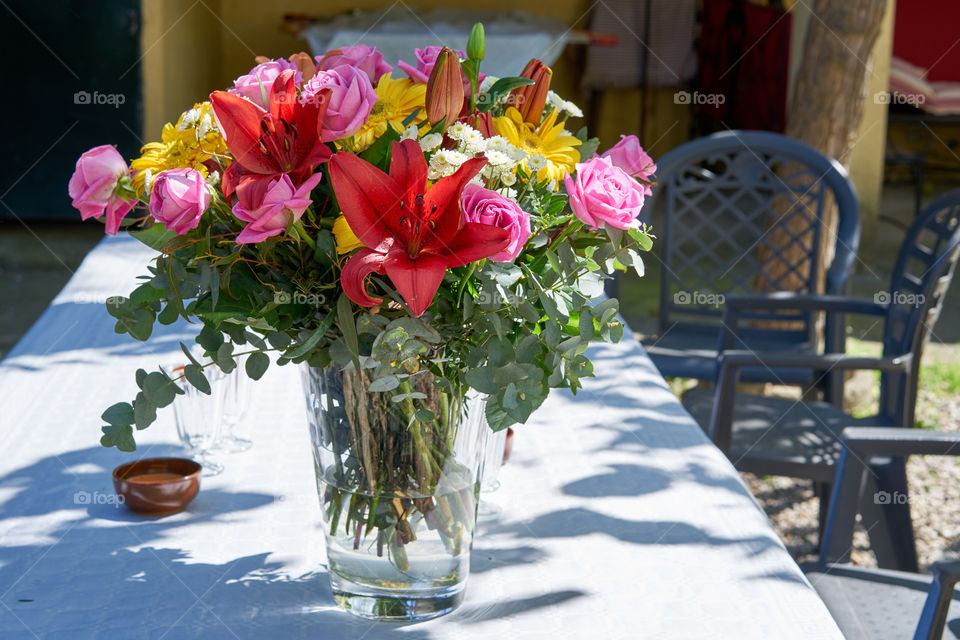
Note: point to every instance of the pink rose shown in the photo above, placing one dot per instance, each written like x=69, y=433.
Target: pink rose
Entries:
x=489, y=207
x=93, y=186
x=630, y=156
x=351, y=99
x=272, y=206
x=603, y=194
x=178, y=199
x=426, y=59
x=265, y=73
x=365, y=58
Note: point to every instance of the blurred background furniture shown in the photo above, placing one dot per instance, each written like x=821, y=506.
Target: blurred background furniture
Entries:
x=801, y=438
x=876, y=604
x=743, y=211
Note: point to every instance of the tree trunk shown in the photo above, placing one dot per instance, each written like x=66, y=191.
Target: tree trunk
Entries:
x=825, y=112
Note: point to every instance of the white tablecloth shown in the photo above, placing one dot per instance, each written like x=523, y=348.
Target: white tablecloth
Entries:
x=619, y=518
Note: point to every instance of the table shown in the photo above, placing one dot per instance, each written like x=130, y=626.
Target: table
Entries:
x=619, y=519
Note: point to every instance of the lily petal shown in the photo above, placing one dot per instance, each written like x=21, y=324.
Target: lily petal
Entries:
x=368, y=197
x=239, y=122
x=445, y=196
x=416, y=279
x=354, y=275
x=409, y=168
x=476, y=241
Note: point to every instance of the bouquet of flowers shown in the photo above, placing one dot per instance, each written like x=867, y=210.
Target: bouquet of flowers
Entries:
x=420, y=236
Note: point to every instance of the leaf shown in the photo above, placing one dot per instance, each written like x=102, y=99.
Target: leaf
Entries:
x=118, y=414
x=501, y=87
x=119, y=436
x=314, y=338
x=348, y=328
x=209, y=338
x=510, y=396
x=189, y=355
x=386, y=383
x=256, y=365
x=425, y=415
x=497, y=418
x=214, y=288
x=417, y=328
x=155, y=236
x=194, y=376
x=144, y=413
x=413, y=395
x=588, y=147
x=158, y=389
x=481, y=379
x=225, y=359
x=278, y=339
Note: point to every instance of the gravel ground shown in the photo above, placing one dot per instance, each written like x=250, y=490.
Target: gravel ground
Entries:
x=934, y=498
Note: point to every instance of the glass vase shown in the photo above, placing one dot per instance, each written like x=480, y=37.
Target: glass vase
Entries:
x=398, y=480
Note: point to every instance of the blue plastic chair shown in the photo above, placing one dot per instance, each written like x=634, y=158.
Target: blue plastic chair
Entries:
x=722, y=196
x=801, y=439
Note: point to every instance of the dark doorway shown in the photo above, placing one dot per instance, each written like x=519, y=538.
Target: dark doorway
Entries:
x=72, y=81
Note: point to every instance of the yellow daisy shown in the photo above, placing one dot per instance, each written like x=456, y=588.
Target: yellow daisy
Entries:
x=190, y=143
x=396, y=100
x=548, y=140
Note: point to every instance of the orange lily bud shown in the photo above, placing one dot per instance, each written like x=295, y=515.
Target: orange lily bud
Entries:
x=530, y=99
x=482, y=122
x=305, y=64
x=444, y=98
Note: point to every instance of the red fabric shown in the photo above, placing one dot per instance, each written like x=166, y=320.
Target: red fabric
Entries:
x=925, y=34
x=743, y=54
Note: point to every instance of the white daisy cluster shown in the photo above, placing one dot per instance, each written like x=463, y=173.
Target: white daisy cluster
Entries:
x=196, y=119
x=563, y=106
x=502, y=157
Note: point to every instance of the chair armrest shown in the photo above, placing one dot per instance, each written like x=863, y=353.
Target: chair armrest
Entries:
x=933, y=620
x=784, y=300
x=886, y=441
x=734, y=360
x=729, y=364
x=860, y=445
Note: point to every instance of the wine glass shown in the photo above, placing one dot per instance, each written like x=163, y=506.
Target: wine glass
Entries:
x=199, y=418
x=493, y=448
x=236, y=400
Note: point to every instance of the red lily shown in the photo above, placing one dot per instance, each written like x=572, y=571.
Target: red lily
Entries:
x=285, y=139
x=410, y=233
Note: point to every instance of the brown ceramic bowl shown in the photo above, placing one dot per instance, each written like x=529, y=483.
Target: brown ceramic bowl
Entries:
x=157, y=486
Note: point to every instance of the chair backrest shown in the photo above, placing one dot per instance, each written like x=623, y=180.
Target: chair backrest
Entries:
x=921, y=276
x=723, y=196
